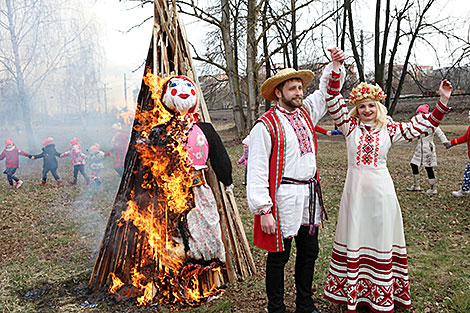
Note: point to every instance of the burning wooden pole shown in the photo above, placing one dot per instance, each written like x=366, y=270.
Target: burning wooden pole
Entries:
x=141, y=223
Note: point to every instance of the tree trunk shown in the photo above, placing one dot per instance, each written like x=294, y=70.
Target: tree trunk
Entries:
x=251, y=65
x=357, y=58
x=267, y=103
x=295, y=64
x=381, y=52
x=378, y=70
x=343, y=34
x=428, y=5
x=232, y=71
x=23, y=99
x=388, y=85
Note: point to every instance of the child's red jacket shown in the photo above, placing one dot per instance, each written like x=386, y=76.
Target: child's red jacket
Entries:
x=462, y=139
x=11, y=156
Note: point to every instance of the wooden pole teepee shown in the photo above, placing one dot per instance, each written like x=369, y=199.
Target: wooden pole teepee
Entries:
x=122, y=244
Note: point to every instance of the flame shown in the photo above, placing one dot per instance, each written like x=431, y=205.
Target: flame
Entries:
x=148, y=295
x=163, y=273
x=117, y=283
x=126, y=113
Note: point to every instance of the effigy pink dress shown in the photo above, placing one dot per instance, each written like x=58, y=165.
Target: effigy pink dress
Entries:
x=205, y=241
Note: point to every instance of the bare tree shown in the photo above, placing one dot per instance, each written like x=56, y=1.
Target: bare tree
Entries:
x=33, y=43
x=397, y=31
x=276, y=29
x=80, y=74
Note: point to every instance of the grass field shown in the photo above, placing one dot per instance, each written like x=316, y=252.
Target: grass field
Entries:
x=50, y=235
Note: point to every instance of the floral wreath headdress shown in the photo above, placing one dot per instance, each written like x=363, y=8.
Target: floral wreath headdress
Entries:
x=364, y=92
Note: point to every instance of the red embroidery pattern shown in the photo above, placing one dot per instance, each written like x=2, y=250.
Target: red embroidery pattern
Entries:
x=368, y=148
x=303, y=137
x=383, y=296
x=376, y=154
x=358, y=156
x=392, y=128
x=352, y=125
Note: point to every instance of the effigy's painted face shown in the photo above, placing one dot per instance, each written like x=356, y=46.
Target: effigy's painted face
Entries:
x=180, y=95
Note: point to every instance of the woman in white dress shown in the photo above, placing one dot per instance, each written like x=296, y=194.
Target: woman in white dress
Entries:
x=369, y=260
x=425, y=155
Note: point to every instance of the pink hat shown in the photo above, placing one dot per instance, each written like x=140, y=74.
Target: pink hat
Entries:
x=8, y=142
x=423, y=109
x=47, y=141
x=94, y=148
x=73, y=141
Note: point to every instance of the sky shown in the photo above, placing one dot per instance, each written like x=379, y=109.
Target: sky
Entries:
x=125, y=52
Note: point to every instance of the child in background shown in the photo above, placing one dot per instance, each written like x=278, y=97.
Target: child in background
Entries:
x=425, y=155
x=49, y=154
x=120, y=142
x=244, y=158
x=95, y=160
x=465, y=189
x=11, y=153
x=78, y=160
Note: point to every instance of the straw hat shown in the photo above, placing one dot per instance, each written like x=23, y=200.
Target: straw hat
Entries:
x=267, y=89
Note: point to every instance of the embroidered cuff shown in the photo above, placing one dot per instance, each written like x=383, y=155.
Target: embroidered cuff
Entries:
x=438, y=113
x=265, y=212
x=334, y=84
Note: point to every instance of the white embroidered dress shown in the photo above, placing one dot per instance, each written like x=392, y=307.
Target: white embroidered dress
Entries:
x=369, y=259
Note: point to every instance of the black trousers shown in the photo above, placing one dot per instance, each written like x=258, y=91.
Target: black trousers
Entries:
x=11, y=175
x=79, y=168
x=53, y=172
x=307, y=253
x=429, y=170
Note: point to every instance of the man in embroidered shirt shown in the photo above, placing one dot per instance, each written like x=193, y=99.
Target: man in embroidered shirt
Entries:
x=283, y=190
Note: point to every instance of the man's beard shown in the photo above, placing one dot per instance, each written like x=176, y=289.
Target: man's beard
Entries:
x=290, y=102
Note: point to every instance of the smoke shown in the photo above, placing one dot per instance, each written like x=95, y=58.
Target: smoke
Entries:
x=91, y=204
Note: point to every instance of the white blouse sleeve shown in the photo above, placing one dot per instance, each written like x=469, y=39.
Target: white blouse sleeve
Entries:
x=340, y=115
x=413, y=129
x=419, y=124
x=316, y=103
x=440, y=134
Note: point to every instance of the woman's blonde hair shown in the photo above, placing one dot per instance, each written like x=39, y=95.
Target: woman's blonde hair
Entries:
x=380, y=120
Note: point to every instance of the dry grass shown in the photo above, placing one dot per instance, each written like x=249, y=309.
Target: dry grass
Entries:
x=50, y=236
